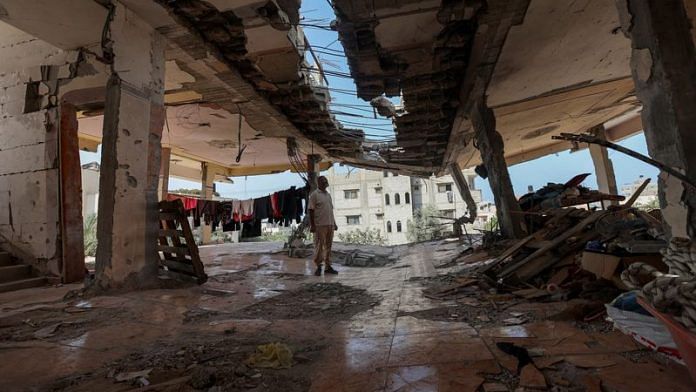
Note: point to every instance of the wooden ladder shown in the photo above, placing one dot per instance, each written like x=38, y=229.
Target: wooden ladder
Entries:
x=177, y=258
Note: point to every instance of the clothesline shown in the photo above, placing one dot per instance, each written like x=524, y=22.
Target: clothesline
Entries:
x=246, y=214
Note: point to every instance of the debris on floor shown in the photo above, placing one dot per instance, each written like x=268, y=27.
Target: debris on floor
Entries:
x=380, y=328
x=328, y=301
x=271, y=355
x=357, y=258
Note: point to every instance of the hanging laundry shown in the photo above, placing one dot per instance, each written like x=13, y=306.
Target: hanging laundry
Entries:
x=247, y=210
x=263, y=208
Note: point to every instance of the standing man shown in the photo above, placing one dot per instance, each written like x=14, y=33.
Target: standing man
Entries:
x=323, y=225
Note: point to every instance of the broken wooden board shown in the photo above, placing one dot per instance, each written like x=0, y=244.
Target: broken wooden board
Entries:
x=179, y=259
x=451, y=290
x=533, y=264
x=531, y=293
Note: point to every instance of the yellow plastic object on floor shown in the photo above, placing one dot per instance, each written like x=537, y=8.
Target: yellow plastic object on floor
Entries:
x=272, y=355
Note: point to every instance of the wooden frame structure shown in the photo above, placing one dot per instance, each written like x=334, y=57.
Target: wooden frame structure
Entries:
x=179, y=259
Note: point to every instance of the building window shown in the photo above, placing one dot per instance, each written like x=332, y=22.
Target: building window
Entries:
x=379, y=216
x=442, y=188
x=353, y=219
x=397, y=199
x=388, y=226
x=447, y=213
x=398, y=226
x=416, y=187
x=350, y=194
x=378, y=190
x=407, y=198
x=386, y=199
x=385, y=173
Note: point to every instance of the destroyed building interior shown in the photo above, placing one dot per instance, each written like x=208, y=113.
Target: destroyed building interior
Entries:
x=574, y=289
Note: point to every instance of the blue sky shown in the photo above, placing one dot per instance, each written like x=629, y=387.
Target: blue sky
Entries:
x=356, y=112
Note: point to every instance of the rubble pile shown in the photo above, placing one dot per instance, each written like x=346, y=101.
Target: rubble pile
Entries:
x=357, y=258
x=562, y=195
x=572, y=242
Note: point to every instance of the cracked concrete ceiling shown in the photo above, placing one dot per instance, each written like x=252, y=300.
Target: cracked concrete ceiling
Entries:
x=546, y=66
x=549, y=66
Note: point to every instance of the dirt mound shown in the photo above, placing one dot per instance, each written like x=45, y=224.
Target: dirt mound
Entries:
x=326, y=301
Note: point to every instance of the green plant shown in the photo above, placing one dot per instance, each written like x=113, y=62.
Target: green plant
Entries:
x=363, y=237
x=275, y=236
x=89, y=227
x=492, y=224
x=425, y=225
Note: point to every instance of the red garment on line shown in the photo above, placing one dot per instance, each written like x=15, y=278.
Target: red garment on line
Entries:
x=275, y=206
x=189, y=202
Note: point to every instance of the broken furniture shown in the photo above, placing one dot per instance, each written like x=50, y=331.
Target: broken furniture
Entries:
x=564, y=195
x=178, y=258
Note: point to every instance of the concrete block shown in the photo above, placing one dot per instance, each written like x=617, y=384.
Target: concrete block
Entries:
x=24, y=130
x=30, y=197
x=30, y=158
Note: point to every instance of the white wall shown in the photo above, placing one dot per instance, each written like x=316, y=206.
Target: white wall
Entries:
x=90, y=192
x=29, y=174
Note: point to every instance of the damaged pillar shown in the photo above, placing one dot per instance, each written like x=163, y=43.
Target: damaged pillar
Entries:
x=128, y=225
x=604, y=168
x=491, y=146
x=464, y=191
x=663, y=63
x=207, y=188
x=72, y=235
x=312, y=161
x=165, y=160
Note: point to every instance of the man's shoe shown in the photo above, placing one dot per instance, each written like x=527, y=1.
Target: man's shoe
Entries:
x=330, y=270
x=317, y=272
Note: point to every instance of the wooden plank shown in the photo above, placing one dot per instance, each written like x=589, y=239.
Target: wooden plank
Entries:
x=538, y=244
x=541, y=233
x=173, y=215
x=181, y=251
x=171, y=233
x=179, y=266
x=168, y=216
x=536, y=266
x=509, y=270
x=636, y=194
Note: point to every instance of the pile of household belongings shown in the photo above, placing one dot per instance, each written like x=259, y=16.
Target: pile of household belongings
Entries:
x=569, y=242
x=564, y=195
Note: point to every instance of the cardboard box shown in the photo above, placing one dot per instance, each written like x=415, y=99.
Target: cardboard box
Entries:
x=605, y=265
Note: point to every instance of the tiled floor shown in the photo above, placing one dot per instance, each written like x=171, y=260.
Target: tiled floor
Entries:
x=376, y=350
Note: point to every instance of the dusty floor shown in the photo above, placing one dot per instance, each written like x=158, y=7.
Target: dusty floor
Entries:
x=367, y=329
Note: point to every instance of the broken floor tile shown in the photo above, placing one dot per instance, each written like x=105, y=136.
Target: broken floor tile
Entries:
x=531, y=377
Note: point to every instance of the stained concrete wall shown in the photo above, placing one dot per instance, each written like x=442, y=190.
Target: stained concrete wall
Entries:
x=128, y=225
x=29, y=176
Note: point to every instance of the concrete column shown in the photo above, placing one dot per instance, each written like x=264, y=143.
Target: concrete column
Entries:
x=663, y=64
x=72, y=235
x=312, y=176
x=464, y=192
x=207, y=183
x=491, y=146
x=164, y=173
x=604, y=168
x=127, y=228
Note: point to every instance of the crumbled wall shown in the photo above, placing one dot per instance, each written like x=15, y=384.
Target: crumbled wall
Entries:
x=29, y=177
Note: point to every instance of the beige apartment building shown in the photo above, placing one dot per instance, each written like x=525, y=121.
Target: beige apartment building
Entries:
x=366, y=199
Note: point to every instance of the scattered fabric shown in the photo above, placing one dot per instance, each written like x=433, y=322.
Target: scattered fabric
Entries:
x=272, y=355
